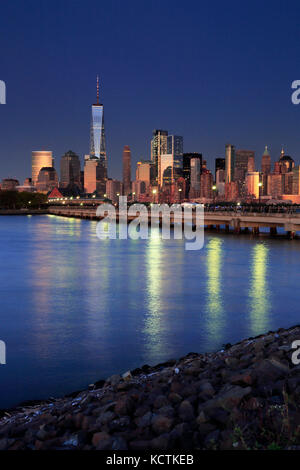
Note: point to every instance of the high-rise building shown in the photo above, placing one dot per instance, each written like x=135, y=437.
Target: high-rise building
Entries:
x=159, y=145
x=206, y=184
x=241, y=164
x=47, y=180
x=173, y=158
x=266, y=170
x=95, y=164
x=229, y=162
x=220, y=176
x=126, y=170
x=40, y=159
x=94, y=176
x=241, y=168
x=296, y=180
x=138, y=188
x=288, y=182
x=219, y=165
x=144, y=171
x=266, y=162
x=195, y=177
x=187, y=168
x=275, y=182
x=166, y=169
x=114, y=189
x=175, y=147
x=97, y=143
x=253, y=180
x=70, y=170
x=220, y=186
x=251, y=163
x=286, y=162
x=231, y=191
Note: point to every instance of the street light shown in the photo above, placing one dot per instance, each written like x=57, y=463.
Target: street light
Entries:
x=154, y=191
x=214, y=187
x=180, y=191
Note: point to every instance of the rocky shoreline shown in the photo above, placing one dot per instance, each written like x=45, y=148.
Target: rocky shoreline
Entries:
x=242, y=397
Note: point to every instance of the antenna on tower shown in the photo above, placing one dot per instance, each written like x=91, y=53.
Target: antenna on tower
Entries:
x=97, y=89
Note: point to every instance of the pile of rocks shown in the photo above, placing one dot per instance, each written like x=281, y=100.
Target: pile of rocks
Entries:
x=243, y=397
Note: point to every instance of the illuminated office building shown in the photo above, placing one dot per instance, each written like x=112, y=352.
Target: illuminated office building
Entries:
x=40, y=159
x=70, y=170
x=126, y=170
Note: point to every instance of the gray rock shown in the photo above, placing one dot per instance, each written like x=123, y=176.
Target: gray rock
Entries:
x=206, y=389
x=145, y=420
x=186, y=411
x=175, y=398
x=102, y=441
x=160, y=401
x=119, y=443
x=114, y=379
x=161, y=442
x=228, y=399
x=161, y=424
x=105, y=418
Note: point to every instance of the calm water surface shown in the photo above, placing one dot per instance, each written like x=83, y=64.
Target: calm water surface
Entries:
x=75, y=309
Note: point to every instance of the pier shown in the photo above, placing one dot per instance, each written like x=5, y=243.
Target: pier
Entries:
x=238, y=222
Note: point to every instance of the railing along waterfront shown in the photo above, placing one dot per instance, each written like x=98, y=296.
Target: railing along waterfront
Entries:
x=237, y=220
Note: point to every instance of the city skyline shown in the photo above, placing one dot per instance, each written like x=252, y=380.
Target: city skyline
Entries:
x=208, y=107
x=97, y=133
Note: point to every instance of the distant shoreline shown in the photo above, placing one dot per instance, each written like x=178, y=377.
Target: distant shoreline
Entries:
x=23, y=211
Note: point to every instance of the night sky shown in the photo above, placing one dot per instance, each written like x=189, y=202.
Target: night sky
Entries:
x=214, y=72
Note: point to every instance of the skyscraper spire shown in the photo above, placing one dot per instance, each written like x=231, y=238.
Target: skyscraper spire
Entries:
x=97, y=89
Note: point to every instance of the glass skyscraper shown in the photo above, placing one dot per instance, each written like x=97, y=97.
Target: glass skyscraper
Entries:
x=158, y=147
x=69, y=170
x=175, y=147
x=97, y=145
x=95, y=164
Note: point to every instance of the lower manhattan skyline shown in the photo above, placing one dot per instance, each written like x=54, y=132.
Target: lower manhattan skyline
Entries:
x=218, y=89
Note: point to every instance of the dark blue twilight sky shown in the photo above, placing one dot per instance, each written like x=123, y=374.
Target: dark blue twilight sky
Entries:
x=214, y=72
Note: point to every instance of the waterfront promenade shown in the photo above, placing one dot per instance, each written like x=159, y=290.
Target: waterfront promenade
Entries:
x=238, y=221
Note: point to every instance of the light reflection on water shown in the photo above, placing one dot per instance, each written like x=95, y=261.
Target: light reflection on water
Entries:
x=75, y=309
x=214, y=308
x=259, y=295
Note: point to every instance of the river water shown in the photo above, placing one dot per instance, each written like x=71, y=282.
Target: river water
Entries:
x=75, y=309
